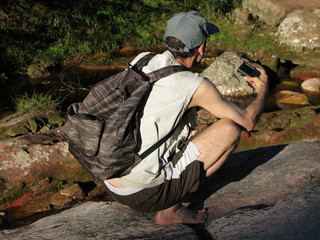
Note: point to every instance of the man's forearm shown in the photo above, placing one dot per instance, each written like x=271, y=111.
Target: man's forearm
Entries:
x=255, y=109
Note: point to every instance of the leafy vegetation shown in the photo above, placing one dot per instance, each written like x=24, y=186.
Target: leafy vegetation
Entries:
x=44, y=114
x=246, y=38
x=51, y=32
x=34, y=31
x=38, y=101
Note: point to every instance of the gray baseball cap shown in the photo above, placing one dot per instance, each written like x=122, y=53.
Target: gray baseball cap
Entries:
x=191, y=28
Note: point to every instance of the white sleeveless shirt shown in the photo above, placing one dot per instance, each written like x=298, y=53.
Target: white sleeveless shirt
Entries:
x=163, y=111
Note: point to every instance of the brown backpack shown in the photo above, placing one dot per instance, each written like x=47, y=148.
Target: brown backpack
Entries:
x=103, y=129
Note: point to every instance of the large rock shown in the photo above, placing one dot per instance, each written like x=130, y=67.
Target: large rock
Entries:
x=258, y=194
x=39, y=70
x=223, y=73
x=294, y=217
x=31, y=158
x=301, y=30
x=263, y=176
x=287, y=99
x=311, y=85
x=265, y=179
x=99, y=220
x=274, y=11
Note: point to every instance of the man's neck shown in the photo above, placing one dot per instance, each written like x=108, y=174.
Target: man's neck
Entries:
x=186, y=62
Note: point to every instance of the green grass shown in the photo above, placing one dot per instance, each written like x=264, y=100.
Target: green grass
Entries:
x=246, y=38
x=38, y=101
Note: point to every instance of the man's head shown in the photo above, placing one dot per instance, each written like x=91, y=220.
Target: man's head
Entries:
x=186, y=31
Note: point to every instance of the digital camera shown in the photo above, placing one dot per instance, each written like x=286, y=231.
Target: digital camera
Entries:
x=246, y=69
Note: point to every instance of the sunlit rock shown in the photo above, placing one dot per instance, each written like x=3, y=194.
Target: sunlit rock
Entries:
x=289, y=98
x=223, y=73
x=74, y=192
x=273, y=12
x=300, y=30
x=311, y=85
x=57, y=200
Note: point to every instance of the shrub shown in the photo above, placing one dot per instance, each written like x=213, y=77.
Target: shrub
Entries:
x=33, y=30
x=38, y=101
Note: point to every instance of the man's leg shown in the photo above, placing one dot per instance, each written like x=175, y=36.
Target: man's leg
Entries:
x=215, y=145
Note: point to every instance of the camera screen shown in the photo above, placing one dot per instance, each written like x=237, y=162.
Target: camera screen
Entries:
x=247, y=70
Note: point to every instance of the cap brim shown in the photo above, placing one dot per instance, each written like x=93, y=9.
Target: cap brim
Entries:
x=212, y=29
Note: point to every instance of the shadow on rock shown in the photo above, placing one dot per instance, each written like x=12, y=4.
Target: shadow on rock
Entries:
x=237, y=167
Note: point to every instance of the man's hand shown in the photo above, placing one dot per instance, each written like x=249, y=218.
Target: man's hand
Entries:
x=258, y=83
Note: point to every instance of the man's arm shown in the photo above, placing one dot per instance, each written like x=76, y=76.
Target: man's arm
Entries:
x=207, y=96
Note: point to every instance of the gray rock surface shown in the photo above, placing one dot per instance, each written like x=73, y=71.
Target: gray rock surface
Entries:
x=223, y=73
x=297, y=216
x=301, y=30
x=269, y=189
x=265, y=193
x=30, y=158
x=98, y=220
x=274, y=11
x=261, y=176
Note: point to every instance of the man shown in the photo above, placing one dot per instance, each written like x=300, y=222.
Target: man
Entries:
x=163, y=179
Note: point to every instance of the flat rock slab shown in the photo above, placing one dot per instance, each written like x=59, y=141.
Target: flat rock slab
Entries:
x=261, y=176
x=98, y=220
x=297, y=217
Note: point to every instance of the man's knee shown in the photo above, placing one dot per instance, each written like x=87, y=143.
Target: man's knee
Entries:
x=216, y=143
x=223, y=132
x=230, y=128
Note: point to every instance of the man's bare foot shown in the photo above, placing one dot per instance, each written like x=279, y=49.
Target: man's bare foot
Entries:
x=180, y=214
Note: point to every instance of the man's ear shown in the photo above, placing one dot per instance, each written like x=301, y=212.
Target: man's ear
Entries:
x=202, y=48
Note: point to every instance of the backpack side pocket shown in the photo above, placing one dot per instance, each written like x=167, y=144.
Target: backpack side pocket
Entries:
x=83, y=131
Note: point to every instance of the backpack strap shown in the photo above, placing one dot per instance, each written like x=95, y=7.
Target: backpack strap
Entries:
x=142, y=62
x=157, y=74
x=164, y=72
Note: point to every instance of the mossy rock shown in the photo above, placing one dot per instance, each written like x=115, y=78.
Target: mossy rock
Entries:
x=33, y=126
x=16, y=130
x=285, y=119
x=16, y=125
x=56, y=120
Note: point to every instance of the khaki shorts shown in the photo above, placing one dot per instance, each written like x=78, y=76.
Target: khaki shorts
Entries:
x=169, y=193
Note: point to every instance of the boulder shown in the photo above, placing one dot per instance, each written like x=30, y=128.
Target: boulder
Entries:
x=39, y=70
x=287, y=99
x=274, y=11
x=300, y=30
x=31, y=158
x=311, y=85
x=241, y=17
x=262, y=176
x=223, y=73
